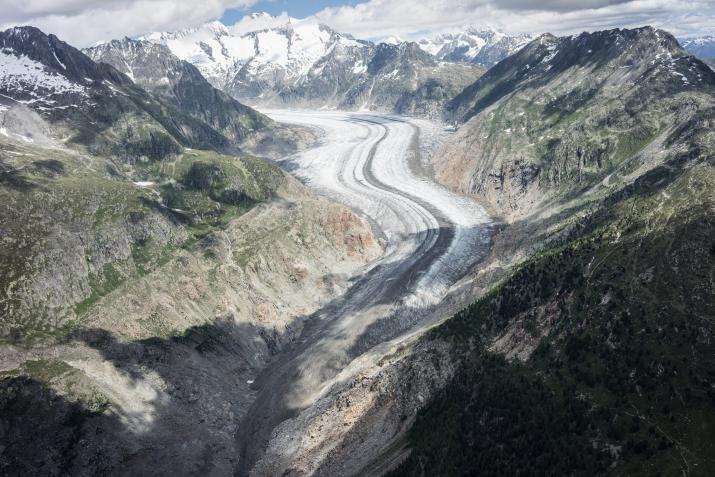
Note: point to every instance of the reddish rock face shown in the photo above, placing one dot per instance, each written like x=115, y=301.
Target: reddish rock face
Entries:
x=348, y=228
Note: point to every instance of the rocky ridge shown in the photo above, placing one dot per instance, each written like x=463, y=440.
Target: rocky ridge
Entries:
x=154, y=68
x=571, y=114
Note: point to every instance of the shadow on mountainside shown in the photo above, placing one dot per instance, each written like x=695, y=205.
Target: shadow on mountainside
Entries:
x=374, y=310
x=208, y=417
x=186, y=428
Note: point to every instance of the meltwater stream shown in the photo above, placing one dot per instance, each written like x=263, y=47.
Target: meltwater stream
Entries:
x=368, y=162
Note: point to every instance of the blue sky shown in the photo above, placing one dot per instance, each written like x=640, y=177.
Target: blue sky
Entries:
x=294, y=8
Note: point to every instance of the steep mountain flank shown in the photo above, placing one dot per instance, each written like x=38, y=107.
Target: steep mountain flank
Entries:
x=565, y=115
x=409, y=81
x=157, y=70
x=142, y=286
x=179, y=85
x=591, y=355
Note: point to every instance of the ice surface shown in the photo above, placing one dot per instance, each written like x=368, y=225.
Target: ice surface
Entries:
x=366, y=162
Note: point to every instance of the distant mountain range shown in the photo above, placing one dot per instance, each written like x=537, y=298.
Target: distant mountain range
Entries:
x=703, y=47
x=301, y=62
x=484, y=47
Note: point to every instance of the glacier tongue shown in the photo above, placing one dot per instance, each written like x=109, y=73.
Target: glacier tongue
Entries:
x=434, y=238
x=367, y=161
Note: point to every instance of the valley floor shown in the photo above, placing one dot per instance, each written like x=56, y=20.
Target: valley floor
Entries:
x=372, y=163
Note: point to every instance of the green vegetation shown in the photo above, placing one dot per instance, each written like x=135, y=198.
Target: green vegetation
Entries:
x=500, y=419
x=139, y=136
x=208, y=189
x=101, y=285
x=45, y=370
x=621, y=383
x=73, y=223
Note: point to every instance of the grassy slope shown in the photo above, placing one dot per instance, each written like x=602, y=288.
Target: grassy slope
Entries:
x=80, y=230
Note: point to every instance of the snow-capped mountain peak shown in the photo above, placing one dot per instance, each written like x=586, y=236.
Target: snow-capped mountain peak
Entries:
x=393, y=40
x=702, y=47
x=277, y=47
x=484, y=46
x=270, y=60
x=36, y=69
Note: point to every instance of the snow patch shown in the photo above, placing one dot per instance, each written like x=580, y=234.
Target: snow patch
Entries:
x=359, y=68
x=57, y=59
x=29, y=76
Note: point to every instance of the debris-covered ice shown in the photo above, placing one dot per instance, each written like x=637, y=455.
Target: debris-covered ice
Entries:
x=364, y=161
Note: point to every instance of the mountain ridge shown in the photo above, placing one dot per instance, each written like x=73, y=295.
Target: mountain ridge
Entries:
x=98, y=103
x=302, y=63
x=484, y=47
x=600, y=72
x=156, y=69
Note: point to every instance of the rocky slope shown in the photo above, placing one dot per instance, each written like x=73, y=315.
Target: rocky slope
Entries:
x=601, y=341
x=565, y=115
x=307, y=64
x=472, y=45
x=157, y=70
x=140, y=295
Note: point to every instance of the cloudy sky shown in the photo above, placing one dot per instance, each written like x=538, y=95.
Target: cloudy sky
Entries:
x=85, y=22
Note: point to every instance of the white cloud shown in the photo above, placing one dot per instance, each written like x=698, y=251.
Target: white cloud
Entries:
x=84, y=22
x=381, y=18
